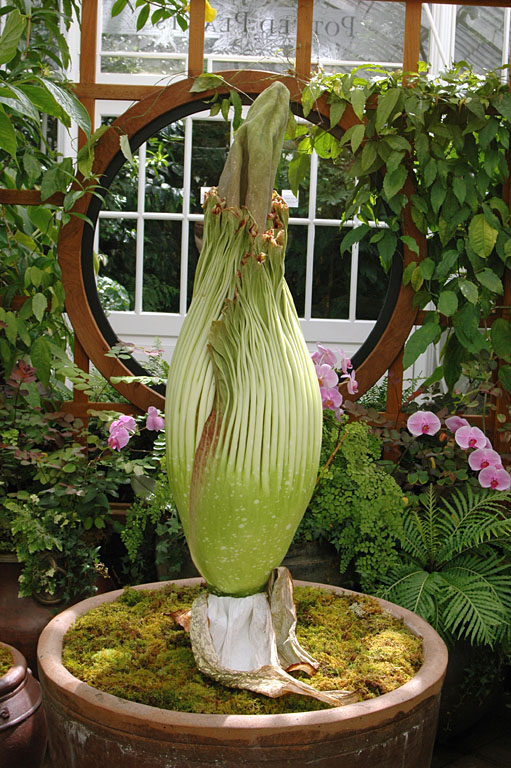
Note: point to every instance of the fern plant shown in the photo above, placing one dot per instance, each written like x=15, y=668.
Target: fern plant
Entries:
x=453, y=571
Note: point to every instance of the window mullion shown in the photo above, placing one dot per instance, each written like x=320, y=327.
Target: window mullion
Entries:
x=352, y=312
x=309, y=270
x=139, y=263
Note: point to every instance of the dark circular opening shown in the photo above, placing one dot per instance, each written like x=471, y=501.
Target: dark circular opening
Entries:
x=87, y=260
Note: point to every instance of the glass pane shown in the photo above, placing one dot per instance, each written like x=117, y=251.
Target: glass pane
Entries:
x=122, y=195
x=253, y=28
x=162, y=266
x=164, y=170
x=372, y=282
x=333, y=187
x=353, y=31
x=120, y=34
x=331, y=280
x=295, y=265
x=479, y=36
x=117, y=256
x=209, y=151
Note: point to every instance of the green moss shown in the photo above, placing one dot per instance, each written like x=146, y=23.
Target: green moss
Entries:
x=132, y=648
x=6, y=660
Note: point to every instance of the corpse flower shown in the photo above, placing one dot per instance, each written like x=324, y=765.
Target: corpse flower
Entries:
x=243, y=420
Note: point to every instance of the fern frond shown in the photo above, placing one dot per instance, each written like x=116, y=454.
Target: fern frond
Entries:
x=469, y=519
x=413, y=588
x=470, y=608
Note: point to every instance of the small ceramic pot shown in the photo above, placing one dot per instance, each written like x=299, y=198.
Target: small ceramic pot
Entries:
x=23, y=734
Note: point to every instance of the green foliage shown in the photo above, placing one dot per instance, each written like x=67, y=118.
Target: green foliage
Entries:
x=450, y=136
x=356, y=506
x=451, y=571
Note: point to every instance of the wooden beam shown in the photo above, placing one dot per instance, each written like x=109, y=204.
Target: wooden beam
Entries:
x=304, y=21
x=412, y=39
x=88, y=57
x=115, y=91
x=493, y=3
x=196, y=37
x=28, y=197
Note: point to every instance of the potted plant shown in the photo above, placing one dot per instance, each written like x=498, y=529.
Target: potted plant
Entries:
x=243, y=421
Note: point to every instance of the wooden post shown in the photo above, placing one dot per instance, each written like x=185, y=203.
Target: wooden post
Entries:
x=411, y=45
x=196, y=37
x=304, y=38
x=395, y=389
x=88, y=53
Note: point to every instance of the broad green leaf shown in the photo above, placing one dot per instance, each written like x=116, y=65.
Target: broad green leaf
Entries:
x=369, y=154
x=118, y=7
x=11, y=35
x=42, y=100
x=7, y=135
x=297, y=170
x=41, y=358
x=69, y=103
x=408, y=272
x=225, y=105
x=386, y=107
x=394, y=182
x=503, y=104
x=481, y=235
x=124, y=143
x=386, y=248
x=353, y=236
x=39, y=305
x=505, y=377
x=358, y=101
x=427, y=267
x=430, y=172
x=416, y=279
x=236, y=103
x=354, y=135
x=447, y=303
x=453, y=355
x=501, y=337
x=437, y=195
x=32, y=166
x=337, y=109
x=20, y=103
x=394, y=160
x=459, y=188
x=40, y=216
x=468, y=289
x=143, y=16
x=490, y=280
x=397, y=143
x=410, y=243
x=11, y=327
x=419, y=341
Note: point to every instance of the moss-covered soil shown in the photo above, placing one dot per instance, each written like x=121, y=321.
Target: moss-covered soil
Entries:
x=6, y=660
x=132, y=648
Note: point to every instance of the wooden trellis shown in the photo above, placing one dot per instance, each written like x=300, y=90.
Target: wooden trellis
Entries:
x=153, y=102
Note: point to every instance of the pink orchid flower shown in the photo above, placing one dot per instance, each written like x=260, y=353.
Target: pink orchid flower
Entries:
x=327, y=377
x=456, y=422
x=127, y=422
x=331, y=398
x=352, y=382
x=324, y=355
x=470, y=437
x=154, y=422
x=338, y=412
x=423, y=423
x=119, y=437
x=496, y=478
x=345, y=362
x=484, y=457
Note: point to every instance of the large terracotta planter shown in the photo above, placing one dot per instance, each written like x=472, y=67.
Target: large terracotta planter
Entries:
x=88, y=727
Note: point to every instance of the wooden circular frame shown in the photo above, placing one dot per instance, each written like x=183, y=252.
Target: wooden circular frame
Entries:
x=376, y=354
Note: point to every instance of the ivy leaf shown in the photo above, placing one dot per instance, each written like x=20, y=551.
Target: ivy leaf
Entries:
x=490, y=280
x=41, y=358
x=447, y=303
x=11, y=35
x=469, y=290
x=505, y=377
x=386, y=107
x=394, y=182
x=481, y=235
x=206, y=82
x=419, y=341
x=501, y=337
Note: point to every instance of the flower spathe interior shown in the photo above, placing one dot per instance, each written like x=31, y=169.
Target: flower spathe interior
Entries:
x=483, y=458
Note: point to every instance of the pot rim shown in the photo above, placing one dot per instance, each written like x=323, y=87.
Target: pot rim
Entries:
x=426, y=683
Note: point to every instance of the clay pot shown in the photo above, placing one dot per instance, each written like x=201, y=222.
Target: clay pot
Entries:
x=23, y=732
x=88, y=727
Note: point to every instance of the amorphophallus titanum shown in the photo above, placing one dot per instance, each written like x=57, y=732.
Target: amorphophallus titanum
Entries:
x=243, y=418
